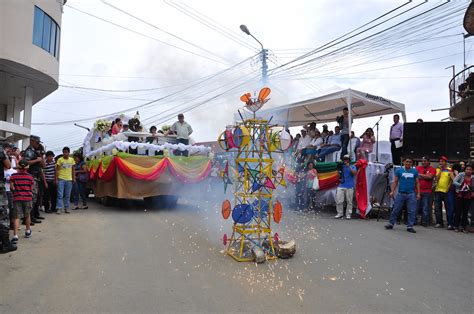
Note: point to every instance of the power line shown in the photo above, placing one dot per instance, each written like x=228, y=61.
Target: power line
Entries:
x=372, y=35
x=210, y=23
x=142, y=34
x=147, y=104
x=352, y=46
x=162, y=30
x=340, y=39
x=133, y=90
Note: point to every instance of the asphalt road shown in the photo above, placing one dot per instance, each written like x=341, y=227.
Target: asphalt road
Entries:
x=156, y=261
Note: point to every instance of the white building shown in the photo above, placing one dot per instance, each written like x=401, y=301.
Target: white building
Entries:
x=29, y=61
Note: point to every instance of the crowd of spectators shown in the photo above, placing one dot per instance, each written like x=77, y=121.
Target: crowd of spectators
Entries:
x=312, y=144
x=34, y=181
x=419, y=191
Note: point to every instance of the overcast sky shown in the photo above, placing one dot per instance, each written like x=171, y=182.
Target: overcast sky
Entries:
x=96, y=54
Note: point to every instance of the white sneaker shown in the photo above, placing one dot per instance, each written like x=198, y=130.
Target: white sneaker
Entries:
x=338, y=216
x=348, y=217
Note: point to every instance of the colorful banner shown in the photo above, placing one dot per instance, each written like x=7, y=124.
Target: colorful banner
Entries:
x=327, y=175
x=187, y=170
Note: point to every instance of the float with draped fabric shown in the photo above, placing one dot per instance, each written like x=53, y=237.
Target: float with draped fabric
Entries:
x=130, y=176
x=136, y=164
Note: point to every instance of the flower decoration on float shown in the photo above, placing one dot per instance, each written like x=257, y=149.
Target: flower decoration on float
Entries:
x=165, y=128
x=102, y=125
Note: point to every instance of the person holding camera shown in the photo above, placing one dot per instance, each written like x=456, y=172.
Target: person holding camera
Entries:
x=343, y=122
x=345, y=190
x=406, y=178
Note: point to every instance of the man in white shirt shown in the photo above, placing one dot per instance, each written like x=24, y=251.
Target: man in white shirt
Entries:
x=182, y=130
x=304, y=140
x=314, y=146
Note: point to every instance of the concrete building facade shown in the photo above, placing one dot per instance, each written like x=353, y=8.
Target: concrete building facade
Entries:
x=30, y=40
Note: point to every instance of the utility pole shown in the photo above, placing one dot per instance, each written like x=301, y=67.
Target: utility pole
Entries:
x=263, y=55
x=264, y=66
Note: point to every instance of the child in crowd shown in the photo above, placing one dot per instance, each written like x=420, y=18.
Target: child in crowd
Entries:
x=51, y=189
x=21, y=185
x=8, y=174
x=80, y=183
x=311, y=173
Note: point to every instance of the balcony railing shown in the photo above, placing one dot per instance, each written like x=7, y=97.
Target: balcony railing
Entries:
x=461, y=86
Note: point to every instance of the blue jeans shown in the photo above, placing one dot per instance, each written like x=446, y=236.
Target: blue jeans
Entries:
x=400, y=200
x=64, y=194
x=326, y=151
x=79, y=191
x=424, y=207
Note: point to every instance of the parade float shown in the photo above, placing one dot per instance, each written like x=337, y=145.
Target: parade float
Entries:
x=134, y=164
x=256, y=176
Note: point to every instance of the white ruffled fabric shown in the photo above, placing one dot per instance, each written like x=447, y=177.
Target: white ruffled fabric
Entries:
x=152, y=148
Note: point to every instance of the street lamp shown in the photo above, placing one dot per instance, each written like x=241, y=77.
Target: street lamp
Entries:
x=263, y=52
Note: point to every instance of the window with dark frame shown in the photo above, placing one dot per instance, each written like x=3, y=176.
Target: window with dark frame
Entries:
x=46, y=32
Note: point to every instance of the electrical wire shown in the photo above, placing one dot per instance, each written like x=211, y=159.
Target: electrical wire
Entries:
x=164, y=31
x=338, y=51
x=147, y=104
x=210, y=23
x=144, y=35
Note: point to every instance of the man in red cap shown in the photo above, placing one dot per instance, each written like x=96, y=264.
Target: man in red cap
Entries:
x=444, y=179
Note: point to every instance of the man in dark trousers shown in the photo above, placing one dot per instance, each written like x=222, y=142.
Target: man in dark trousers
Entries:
x=36, y=164
x=51, y=190
x=343, y=122
x=406, y=178
x=396, y=139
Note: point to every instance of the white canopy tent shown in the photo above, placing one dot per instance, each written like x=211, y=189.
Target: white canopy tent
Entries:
x=326, y=108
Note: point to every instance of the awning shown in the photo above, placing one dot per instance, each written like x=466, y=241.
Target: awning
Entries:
x=326, y=108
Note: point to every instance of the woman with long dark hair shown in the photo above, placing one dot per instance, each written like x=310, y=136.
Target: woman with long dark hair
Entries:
x=367, y=144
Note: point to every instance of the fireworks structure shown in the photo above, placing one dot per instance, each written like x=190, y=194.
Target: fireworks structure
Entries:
x=253, y=210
